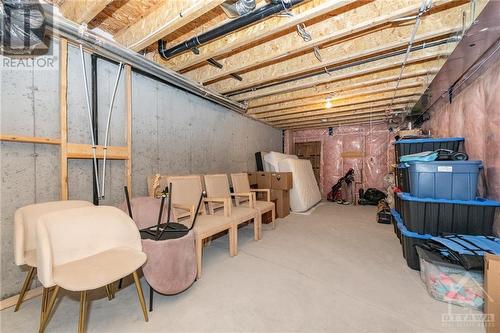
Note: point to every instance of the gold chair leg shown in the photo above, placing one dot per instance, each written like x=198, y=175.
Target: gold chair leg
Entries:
x=83, y=311
x=108, y=292
x=140, y=295
x=26, y=286
x=48, y=308
x=45, y=301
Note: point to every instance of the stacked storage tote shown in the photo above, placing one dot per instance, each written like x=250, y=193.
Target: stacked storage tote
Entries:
x=438, y=197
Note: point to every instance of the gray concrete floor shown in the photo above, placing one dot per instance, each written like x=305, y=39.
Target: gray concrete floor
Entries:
x=335, y=270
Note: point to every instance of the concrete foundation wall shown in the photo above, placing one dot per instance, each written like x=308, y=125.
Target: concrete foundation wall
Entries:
x=174, y=132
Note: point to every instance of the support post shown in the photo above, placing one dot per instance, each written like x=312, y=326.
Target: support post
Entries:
x=128, y=105
x=63, y=107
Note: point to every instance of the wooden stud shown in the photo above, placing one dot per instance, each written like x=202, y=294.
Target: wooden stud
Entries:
x=63, y=110
x=84, y=151
x=170, y=16
x=82, y=11
x=29, y=139
x=257, y=32
x=128, y=104
x=335, y=29
x=11, y=301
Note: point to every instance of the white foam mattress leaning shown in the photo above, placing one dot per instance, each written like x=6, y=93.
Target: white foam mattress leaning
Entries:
x=305, y=192
x=271, y=160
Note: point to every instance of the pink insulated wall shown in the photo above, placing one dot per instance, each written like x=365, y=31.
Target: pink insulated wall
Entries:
x=367, y=149
x=475, y=115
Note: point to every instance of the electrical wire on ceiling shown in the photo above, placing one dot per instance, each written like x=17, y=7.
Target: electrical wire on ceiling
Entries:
x=424, y=7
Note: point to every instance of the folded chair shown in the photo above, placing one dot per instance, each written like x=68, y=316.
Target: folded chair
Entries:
x=242, y=185
x=84, y=249
x=25, y=220
x=185, y=198
x=171, y=265
x=218, y=186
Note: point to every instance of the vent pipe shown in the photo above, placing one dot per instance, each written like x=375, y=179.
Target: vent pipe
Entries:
x=238, y=8
x=261, y=13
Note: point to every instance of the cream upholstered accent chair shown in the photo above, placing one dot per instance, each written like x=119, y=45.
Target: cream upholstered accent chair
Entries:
x=218, y=186
x=186, y=191
x=25, y=220
x=87, y=248
x=242, y=185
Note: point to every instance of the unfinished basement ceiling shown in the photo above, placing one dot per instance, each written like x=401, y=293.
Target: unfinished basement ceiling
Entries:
x=354, y=68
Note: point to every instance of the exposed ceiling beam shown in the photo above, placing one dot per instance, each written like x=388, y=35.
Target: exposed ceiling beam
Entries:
x=370, y=45
x=379, y=107
x=341, y=27
x=262, y=30
x=406, y=89
x=350, y=104
x=315, y=96
x=170, y=16
x=341, y=123
x=349, y=107
x=300, y=88
x=347, y=119
x=82, y=11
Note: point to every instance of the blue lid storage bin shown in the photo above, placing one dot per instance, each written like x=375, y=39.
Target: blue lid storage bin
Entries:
x=438, y=216
x=413, y=146
x=403, y=177
x=409, y=240
x=453, y=180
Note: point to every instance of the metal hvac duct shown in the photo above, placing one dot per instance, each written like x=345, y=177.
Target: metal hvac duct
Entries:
x=272, y=8
x=58, y=25
x=238, y=8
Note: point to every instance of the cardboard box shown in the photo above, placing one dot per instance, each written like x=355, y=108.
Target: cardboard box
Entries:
x=281, y=180
x=282, y=198
x=252, y=178
x=263, y=180
x=492, y=293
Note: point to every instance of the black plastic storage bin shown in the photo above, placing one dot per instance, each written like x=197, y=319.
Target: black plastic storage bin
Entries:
x=403, y=177
x=441, y=216
x=413, y=146
x=409, y=240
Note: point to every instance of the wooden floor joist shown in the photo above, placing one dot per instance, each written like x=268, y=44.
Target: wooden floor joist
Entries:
x=348, y=87
x=170, y=16
x=367, y=17
x=289, y=90
x=372, y=109
x=367, y=46
x=321, y=124
x=260, y=31
x=340, y=98
x=82, y=11
x=324, y=110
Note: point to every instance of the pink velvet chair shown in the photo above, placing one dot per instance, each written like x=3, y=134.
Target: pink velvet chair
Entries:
x=171, y=264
